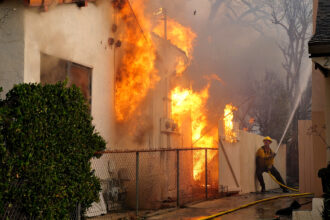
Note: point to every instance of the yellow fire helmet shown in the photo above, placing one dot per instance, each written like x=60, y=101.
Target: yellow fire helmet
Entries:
x=268, y=139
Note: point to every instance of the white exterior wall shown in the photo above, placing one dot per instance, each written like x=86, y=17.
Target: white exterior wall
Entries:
x=79, y=35
x=11, y=44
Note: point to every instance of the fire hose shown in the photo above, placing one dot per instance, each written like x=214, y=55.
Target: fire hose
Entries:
x=259, y=201
x=254, y=203
x=281, y=184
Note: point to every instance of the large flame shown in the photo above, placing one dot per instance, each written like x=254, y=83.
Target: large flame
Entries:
x=186, y=101
x=181, y=36
x=136, y=73
x=230, y=134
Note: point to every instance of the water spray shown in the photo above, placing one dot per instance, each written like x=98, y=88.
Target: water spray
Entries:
x=304, y=82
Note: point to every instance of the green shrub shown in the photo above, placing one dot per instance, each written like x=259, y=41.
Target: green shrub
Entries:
x=49, y=140
x=4, y=183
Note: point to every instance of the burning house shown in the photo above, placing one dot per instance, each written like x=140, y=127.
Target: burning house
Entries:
x=130, y=67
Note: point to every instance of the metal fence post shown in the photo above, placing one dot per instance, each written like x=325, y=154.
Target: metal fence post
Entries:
x=137, y=183
x=177, y=178
x=205, y=173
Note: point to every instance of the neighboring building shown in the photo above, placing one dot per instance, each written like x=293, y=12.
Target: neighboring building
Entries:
x=319, y=49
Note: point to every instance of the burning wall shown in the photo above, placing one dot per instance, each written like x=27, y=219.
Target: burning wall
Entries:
x=159, y=76
x=136, y=73
x=151, y=87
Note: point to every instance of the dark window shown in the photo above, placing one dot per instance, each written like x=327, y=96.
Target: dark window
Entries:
x=54, y=69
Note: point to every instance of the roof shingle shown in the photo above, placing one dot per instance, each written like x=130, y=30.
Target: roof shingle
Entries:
x=322, y=31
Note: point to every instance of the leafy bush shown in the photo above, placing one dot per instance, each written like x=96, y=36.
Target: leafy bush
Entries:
x=3, y=163
x=49, y=140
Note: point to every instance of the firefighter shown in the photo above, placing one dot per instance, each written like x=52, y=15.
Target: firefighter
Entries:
x=265, y=162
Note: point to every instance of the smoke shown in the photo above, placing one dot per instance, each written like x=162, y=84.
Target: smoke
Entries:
x=239, y=55
x=52, y=69
x=135, y=131
x=227, y=54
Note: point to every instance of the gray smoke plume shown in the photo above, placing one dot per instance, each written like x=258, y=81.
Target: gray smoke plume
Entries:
x=237, y=53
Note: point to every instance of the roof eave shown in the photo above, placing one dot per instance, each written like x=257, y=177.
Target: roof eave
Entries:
x=317, y=48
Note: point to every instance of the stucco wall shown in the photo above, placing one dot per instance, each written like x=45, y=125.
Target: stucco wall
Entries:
x=11, y=44
x=242, y=158
x=79, y=35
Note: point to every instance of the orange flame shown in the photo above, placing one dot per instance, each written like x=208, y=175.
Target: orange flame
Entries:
x=186, y=101
x=180, y=67
x=230, y=134
x=179, y=35
x=136, y=73
x=182, y=37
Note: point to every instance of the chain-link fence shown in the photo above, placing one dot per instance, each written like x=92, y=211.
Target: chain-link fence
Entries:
x=134, y=181
x=155, y=179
